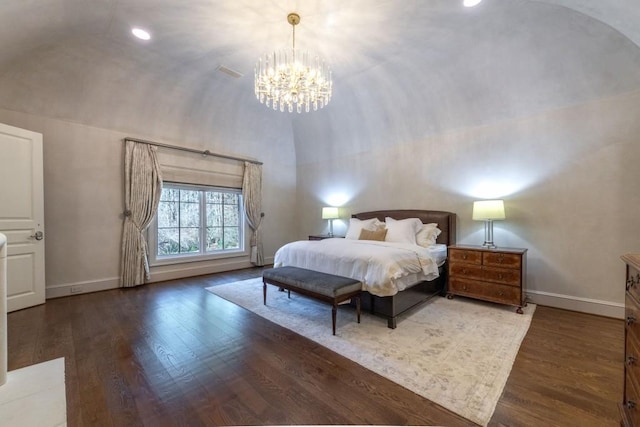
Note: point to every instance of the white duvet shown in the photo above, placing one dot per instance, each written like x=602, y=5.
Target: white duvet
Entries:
x=380, y=266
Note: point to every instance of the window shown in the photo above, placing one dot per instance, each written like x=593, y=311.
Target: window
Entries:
x=196, y=222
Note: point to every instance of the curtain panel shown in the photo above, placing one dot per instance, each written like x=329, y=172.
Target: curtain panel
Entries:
x=252, y=199
x=143, y=187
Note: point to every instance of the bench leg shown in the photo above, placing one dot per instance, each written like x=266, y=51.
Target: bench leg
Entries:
x=264, y=292
x=358, y=307
x=334, y=309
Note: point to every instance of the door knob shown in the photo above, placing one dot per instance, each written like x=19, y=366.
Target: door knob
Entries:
x=38, y=236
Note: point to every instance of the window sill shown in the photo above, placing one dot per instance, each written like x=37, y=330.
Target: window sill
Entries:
x=184, y=259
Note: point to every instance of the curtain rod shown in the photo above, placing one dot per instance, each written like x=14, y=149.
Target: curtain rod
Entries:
x=193, y=150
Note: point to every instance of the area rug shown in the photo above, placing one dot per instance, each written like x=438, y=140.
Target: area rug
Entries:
x=457, y=353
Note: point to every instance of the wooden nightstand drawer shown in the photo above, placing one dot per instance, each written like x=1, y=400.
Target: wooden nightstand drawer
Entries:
x=500, y=259
x=631, y=385
x=633, y=282
x=505, y=276
x=632, y=317
x=632, y=361
x=469, y=271
x=488, y=291
x=465, y=256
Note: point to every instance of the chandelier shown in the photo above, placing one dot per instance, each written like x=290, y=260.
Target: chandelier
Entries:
x=290, y=79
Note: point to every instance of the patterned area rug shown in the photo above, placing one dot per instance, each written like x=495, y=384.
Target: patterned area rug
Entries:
x=457, y=353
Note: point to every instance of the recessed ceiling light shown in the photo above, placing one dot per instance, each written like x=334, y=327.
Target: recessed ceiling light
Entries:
x=471, y=3
x=141, y=34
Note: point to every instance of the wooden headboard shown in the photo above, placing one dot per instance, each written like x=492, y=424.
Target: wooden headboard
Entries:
x=446, y=220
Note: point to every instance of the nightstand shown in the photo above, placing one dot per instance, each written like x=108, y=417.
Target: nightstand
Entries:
x=320, y=237
x=496, y=275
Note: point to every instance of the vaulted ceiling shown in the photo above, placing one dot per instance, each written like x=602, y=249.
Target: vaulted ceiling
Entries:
x=431, y=62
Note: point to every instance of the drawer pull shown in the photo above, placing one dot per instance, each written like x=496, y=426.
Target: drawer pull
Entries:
x=500, y=276
x=464, y=271
x=630, y=283
x=631, y=360
x=630, y=404
x=501, y=294
x=631, y=319
x=464, y=256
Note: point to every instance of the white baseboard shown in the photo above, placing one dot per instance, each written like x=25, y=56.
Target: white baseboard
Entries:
x=67, y=289
x=583, y=305
x=177, y=272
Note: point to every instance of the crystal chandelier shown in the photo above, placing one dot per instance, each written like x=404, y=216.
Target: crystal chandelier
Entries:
x=292, y=79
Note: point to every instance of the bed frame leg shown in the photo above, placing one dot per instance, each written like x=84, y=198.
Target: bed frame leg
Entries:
x=391, y=323
x=334, y=309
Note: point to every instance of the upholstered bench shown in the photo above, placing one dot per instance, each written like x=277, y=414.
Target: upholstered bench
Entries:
x=321, y=286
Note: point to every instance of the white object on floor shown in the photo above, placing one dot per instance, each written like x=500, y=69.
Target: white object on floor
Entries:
x=34, y=396
x=3, y=309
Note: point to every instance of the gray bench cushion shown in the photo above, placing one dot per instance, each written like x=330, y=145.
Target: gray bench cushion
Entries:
x=320, y=283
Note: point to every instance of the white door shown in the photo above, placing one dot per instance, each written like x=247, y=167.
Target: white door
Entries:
x=22, y=215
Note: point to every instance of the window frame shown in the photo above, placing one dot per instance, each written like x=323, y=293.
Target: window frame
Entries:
x=152, y=231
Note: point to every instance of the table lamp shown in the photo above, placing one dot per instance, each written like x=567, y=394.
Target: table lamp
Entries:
x=488, y=211
x=330, y=213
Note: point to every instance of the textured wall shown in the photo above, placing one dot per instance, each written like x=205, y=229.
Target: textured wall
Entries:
x=568, y=177
x=83, y=187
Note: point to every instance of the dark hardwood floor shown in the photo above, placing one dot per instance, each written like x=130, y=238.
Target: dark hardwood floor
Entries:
x=173, y=354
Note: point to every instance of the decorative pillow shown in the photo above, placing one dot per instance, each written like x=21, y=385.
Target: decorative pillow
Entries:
x=427, y=235
x=356, y=225
x=402, y=231
x=373, y=234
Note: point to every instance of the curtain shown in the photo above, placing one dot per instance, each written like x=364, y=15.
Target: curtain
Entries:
x=142, y=188
x=252, y=199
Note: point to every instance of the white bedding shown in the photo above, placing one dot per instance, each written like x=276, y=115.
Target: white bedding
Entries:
x=380, y=266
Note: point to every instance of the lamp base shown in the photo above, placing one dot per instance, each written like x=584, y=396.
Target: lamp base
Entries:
x=488, y=234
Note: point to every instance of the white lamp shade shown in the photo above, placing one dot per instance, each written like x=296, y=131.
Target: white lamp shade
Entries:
x=330, y=213
x=471, y=3
x=488, y=209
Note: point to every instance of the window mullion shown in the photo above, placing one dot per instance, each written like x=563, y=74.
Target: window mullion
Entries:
x=222, y=205
x=203, y=222
x=179, y=221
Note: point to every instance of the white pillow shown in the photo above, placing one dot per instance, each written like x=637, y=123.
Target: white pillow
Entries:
x=402, y=231
x=427, y=234
x=356, y=225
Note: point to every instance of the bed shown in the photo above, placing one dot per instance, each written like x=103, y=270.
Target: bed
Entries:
x=392, y=296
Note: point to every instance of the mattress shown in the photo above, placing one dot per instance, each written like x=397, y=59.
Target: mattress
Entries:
x=384, y=268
